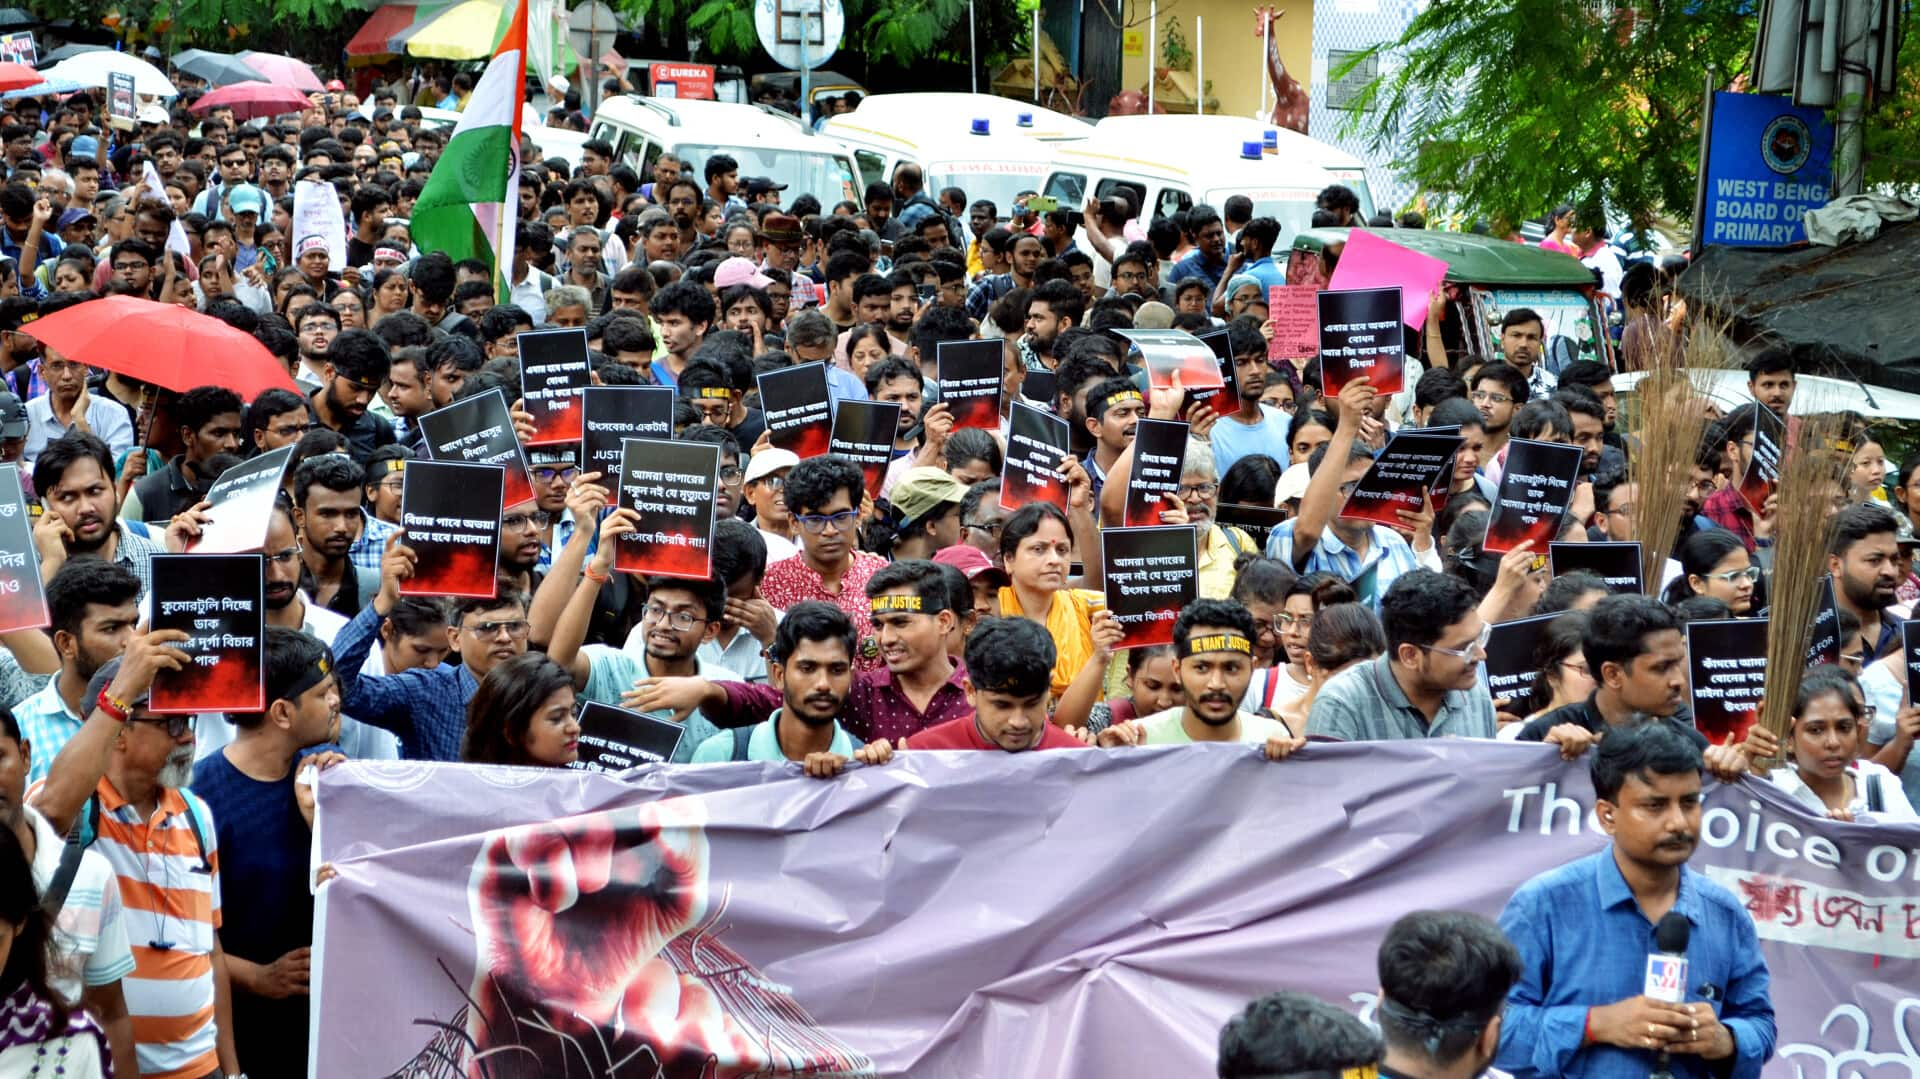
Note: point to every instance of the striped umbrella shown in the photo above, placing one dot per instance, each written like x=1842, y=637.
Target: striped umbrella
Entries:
x=471, y=30
x=385, y=31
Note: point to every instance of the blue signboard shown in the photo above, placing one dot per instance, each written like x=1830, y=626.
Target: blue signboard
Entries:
x=1768, y=162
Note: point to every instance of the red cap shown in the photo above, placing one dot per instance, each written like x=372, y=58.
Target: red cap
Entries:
x=971, y=561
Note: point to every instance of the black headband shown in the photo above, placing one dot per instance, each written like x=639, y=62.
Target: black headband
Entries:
x=1216, y=642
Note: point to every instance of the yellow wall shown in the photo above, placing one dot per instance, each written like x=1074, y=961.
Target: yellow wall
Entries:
x=1232, y=56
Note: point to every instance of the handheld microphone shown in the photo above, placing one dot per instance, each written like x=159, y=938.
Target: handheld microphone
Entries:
x=1666, y=978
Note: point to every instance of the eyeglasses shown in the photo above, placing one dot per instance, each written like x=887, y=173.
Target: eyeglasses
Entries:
x=771, y=483
x=524, y=522
x=396, y=486
x=1285, y=406
x=732, y=476
x=286, y=557
x=1751, y=573
x=1283, y=621
x=292, y=430
x=1855, y=658
x=1577, y=666
x=548, y=474
x=991, y=528
x=1482, y=397
x=515, y=629
x=130, y=265
x=817, y=524
x=1199, y=490
x=1478, y=647
x=682, y=620
x=175, y=726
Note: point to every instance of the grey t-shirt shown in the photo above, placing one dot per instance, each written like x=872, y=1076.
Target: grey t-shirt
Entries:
x=1365, y=704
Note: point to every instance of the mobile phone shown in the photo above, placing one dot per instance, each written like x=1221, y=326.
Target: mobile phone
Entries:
x=1041, y=204
x=927, y=292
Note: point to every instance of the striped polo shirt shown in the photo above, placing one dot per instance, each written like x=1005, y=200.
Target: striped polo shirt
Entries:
x=171, y=901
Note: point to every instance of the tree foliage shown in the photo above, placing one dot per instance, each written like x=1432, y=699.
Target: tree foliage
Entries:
x=895, y=32
x=1506, y=108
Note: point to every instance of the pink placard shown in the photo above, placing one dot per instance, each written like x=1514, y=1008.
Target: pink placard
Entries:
x=1368, y=261
x=1296, y=322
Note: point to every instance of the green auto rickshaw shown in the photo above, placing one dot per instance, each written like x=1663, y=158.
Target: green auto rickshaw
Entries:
x=1486, y=278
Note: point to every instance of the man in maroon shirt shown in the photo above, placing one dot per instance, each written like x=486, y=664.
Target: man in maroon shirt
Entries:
x=910, y=604
x=1009, y=670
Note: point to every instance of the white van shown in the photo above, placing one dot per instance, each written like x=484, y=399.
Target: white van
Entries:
x=969, y=153
x=1173, y=162
x=765, y=143
x=904, y=113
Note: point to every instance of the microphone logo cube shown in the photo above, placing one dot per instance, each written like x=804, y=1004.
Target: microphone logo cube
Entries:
x=1666, y=978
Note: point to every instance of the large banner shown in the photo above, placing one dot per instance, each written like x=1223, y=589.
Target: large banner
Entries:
x=1061, y=915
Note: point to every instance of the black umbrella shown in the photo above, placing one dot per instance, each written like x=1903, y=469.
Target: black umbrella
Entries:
x=11, y=17
x=216, y=68
x=66, y=52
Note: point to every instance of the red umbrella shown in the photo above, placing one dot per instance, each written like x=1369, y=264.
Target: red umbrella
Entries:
x=18, y=76
x=283, y=70
x=162, y=343
x=250, y=100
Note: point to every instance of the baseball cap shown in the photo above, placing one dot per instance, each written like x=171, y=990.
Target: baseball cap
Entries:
x=972, y=561
x=17, y=311
x=762, y=185
x=246, y=198
x=83, y=146
x=767, y=462
x=152, y=114
x=1292, y=485
x=73, y=216
x=13, y=417
x=922, y=490
x=103, y=678
x=336, y=85
x=739, y=271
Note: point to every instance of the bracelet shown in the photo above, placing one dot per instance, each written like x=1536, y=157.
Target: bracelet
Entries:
x=1586, y=1036
x=115, y=710
x=596, y=578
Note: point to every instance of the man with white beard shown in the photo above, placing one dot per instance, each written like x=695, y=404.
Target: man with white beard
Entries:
x=122, y=780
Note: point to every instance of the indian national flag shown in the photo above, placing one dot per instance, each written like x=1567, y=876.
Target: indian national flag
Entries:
x=472, y=199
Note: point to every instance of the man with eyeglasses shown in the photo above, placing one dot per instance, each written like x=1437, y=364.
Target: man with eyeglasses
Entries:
x=277, y=418
x=764, y=488
x=1635, y=649
x=679, y=616
x=523, y=529
x=982, y=519
x=553, y=471
x=731, y=478
x=121, y=783
x=1320, y=541
x=235, y=170
x=1498, y=392
x=824, y=494
x=68, y=407
x=1427, y=683
x=427, y=706
x=357, y=364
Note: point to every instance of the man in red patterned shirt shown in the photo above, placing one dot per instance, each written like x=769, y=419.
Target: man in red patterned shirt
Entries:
x=1009, y=674
x=823, y=494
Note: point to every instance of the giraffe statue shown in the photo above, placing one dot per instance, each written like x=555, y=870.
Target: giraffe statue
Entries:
x=1290, y=98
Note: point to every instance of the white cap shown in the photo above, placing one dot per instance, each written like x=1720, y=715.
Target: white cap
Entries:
x=1292, y=486
x=767, y=462
x=152, y=114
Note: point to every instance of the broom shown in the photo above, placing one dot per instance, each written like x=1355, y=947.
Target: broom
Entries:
x=1811, y=475
x=1673, y=419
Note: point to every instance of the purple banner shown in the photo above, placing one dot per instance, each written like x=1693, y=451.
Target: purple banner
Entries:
x=1052, y=915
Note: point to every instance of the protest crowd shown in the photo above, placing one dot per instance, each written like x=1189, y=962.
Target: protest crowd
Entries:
x=834, y=482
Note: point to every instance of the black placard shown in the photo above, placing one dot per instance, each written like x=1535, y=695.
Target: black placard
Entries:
x=1151, y=573
x=972, y=375
x=1762, y=476
x=1216, y=340
x=240, y=501
x=23, y=599
x=452, y=519
x=612, y=414
x=1910, y=647
x=863, y=432
x=1534, y=494
x=798, y=410
x=1153, y=484
x=1041, y=388
x=216, y=600
x=1510, y=669
x=1618, y=564
x=671, y=485
x=1361, y=337
x=614, y=739
x=1401, y=477
x=1823, y=636
x=554, y=371
x=1036, y=441
x=1727, y=670
x=479, y=431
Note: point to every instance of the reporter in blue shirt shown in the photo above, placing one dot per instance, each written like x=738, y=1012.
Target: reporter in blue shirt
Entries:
x=1584, y=931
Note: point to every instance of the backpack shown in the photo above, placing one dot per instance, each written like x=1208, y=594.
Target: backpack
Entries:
x=742, y=738
x=87, y=829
